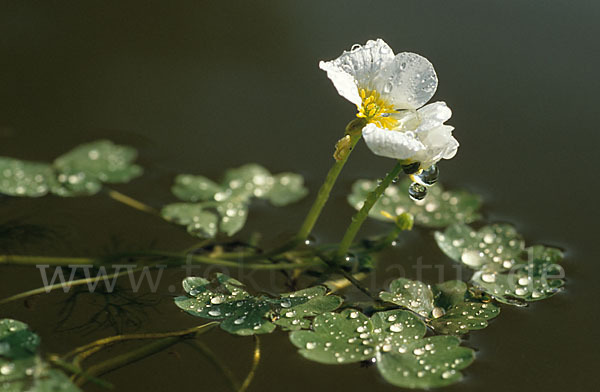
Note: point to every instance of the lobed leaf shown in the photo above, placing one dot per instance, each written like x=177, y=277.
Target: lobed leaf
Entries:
x=392, y=339
x=505, y=269
x=439, y=208
x=231, y=198
x=243, y=314
x=21, y=368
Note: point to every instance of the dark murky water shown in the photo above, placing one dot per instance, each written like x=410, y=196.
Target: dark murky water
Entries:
x=201, y=87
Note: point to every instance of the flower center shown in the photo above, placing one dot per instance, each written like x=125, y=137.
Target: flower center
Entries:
x=376, y=110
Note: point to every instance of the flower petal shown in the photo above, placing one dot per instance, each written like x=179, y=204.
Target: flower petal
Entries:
x=392, y=144
x=433, y=115
x=356, y=68
x=439, y=144
x=407, y=82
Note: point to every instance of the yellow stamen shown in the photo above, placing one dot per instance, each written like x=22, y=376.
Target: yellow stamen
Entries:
x=376, y=110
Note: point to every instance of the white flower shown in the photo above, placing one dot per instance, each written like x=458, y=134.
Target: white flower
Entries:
x=390, y=91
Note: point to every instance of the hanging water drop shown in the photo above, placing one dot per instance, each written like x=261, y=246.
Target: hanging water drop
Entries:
x=427, y=177
x=417, y=191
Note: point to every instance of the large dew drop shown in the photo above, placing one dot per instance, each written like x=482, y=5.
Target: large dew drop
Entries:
x=427, y=177
x=417, y=191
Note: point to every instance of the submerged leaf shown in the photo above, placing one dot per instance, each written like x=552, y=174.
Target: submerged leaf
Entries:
x=21, y=368
x=243, y=314
x=393, y=339
x=505, y=269
x=232, y=198
x=438, y=209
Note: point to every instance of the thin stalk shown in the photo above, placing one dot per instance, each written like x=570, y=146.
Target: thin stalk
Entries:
x=138, y=336
x=353, y=131
x=133, y=356
x=127, y=358
x=255, y=362
x=180, y=258
x=131, y=202
x=218, y=364
x=78, y=282
x=356, y=283
x=361, y=215
x=339, y=284
x=75, y=370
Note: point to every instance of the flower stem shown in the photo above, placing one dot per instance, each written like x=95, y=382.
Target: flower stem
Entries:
x=353, y=135
x=361, y=215
x=138, y=354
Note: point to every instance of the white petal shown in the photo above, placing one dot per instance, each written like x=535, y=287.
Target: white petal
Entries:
x=408, y=82
x=391, y=144
x=439, y=144
x=433, y=115
x=356, y=68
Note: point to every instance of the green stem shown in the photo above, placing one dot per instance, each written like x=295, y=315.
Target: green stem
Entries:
x=134, y=356
x=180, y=259
x=131, y=202
x=361, y=215
x=56, y=361
x=35, y=260
x=322, y=196
x=129, y=357
x=356, y=283
x=78, y=282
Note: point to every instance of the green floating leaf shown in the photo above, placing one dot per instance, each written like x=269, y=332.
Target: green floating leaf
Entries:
x=76, y=173
x=392, y=339
x=447, y=307
x=22, y=178
x=243, y=314
x=439, y=208
x=411, y=294
x=231, y=199
x=294, y=317
x=21, y=368
x=495, y=247
x=199, y=222
x=287, y=188
x=102, y=160
x=505, y=269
